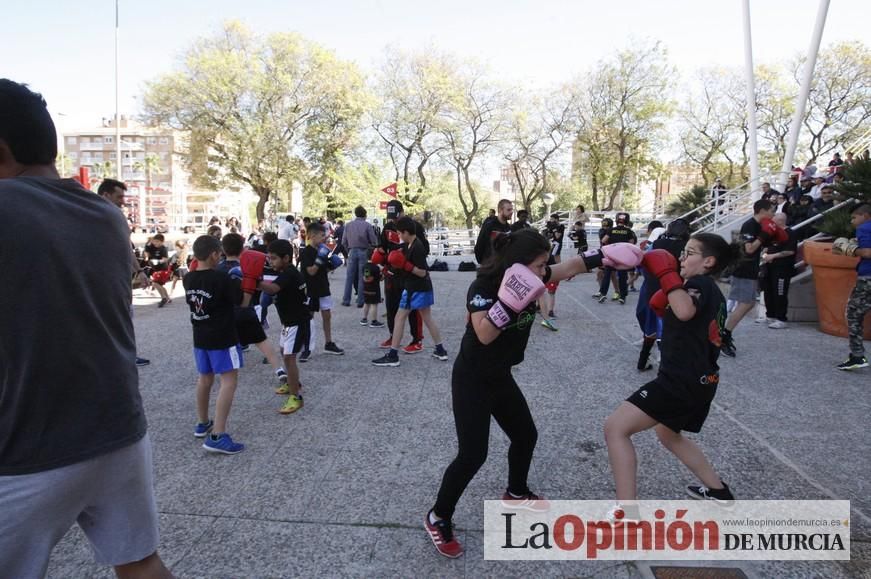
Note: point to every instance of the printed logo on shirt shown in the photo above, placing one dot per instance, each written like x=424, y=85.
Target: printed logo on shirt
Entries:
x=479, y=302
x=643, y=393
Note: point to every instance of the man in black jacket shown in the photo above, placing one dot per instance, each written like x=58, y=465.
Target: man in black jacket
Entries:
x=491, y=228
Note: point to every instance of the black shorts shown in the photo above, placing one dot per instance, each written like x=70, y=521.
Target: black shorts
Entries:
x=248, y=326
x=679, y=407
x=373, y=297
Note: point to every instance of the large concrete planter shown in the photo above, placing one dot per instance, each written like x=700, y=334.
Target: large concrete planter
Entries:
x=834, y=278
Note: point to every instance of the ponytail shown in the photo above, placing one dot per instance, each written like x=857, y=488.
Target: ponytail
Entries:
x=522, y=246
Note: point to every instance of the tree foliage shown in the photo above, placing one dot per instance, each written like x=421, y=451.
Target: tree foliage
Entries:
x=262, y=111
x=622, y=113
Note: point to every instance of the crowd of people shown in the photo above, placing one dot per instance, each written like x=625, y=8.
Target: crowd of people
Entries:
x=86, y=457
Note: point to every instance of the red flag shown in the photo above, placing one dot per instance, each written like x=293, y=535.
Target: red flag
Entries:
x=390, y=190
x=382, y=205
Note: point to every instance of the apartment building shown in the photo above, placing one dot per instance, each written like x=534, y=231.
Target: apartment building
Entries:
x=159, y=193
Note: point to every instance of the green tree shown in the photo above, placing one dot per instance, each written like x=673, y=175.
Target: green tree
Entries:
x=687, y=201
x=472, y=124
x=622, y=116
x=837, y=108
x=414, y=90
x=259, y=111
x=537, y=133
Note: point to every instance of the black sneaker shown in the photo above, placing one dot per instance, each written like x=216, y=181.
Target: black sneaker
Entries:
x=853, y=363
x=364, y=322
x=304, y=356
x=551, y=315
x=721, y=496
x=440, y=353
x=602, y=299
x=142, y=361
x=376, y=324
x=622, y=301
x=387, y=360
x=332, y=348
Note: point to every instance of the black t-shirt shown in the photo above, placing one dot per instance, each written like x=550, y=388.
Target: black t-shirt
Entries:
x=784, y=265
x=371, y=279
x=69, y=389
x=621, y=234
x=416, y=254
x=318, y=285
x=489, y=229
x=748, y=264
x=690, y=349
x=604, y=232
x=292, y=301
x=507, y=349
x=212, y=297
x=157, y=253
x=672, y=245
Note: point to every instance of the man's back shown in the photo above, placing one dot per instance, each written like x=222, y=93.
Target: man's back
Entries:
x=69, y=386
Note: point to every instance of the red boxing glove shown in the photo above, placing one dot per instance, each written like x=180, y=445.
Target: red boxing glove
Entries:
x=393, y=237
x=658, y=303
x=664, y=266
x=396, y=259
x=252, y=263
x=379, y=256
x=767, y=231
x=781, y=236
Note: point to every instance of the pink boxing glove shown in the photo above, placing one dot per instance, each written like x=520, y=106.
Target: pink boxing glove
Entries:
x=616, y=255
x=621, y=255
x=520, y=287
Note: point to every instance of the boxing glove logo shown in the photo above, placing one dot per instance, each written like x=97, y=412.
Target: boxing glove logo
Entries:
x=517, y=287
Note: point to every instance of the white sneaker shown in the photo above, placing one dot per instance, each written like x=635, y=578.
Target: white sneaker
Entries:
x=764, y=320
x=777, y=325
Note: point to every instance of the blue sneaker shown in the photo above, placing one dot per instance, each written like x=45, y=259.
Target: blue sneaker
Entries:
x=222, y=444
x=203, y=428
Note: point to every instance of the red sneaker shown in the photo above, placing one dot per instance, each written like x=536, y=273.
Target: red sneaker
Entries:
x=528, y=502
x=385, y=345
x=413, y=348
x=442, y=535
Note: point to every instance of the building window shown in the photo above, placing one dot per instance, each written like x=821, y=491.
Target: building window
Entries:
x=72, y=155
x=164, y=140
x=151, y=140
x=112, y=155
x=108, y=140
x=98, y=156
x=71, y=140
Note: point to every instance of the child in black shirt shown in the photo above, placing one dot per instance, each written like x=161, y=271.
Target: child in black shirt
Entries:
x=693, y=312
x=371, y=295
x=314, y=264
x=289, y=292
x=212, y=296
x=417, y=293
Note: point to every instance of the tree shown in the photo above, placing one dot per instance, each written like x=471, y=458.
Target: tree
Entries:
x=706, y=123
x=257, y=110
x=472, y=124
x=622, y=115
x=838, y=104
x=537, y=133
x=414, y=91
x=687, y=201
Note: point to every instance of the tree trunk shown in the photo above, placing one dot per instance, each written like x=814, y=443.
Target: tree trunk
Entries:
x=263, y=194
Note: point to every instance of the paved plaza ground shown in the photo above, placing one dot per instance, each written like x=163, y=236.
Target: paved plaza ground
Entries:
x=340, y=489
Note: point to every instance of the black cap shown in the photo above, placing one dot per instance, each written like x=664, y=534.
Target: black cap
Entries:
x=394, y=208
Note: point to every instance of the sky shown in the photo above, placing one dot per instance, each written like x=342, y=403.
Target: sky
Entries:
x=65, y=50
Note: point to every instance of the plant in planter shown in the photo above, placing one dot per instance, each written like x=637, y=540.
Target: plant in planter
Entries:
x=835, y=275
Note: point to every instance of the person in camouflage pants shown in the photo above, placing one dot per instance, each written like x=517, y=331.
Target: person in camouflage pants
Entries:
x=860, y=300
x=858, y=305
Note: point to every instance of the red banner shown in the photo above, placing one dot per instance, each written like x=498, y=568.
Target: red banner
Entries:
x=382, y=205
x=390, y=190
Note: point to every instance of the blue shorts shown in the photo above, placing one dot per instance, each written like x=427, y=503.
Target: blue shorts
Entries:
x=218, y=361
x=416, y=301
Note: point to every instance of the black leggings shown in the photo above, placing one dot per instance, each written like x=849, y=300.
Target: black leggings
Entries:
x=392, y=295
x=475, y=400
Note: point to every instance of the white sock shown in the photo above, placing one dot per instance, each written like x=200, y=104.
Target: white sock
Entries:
x=432, y=518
